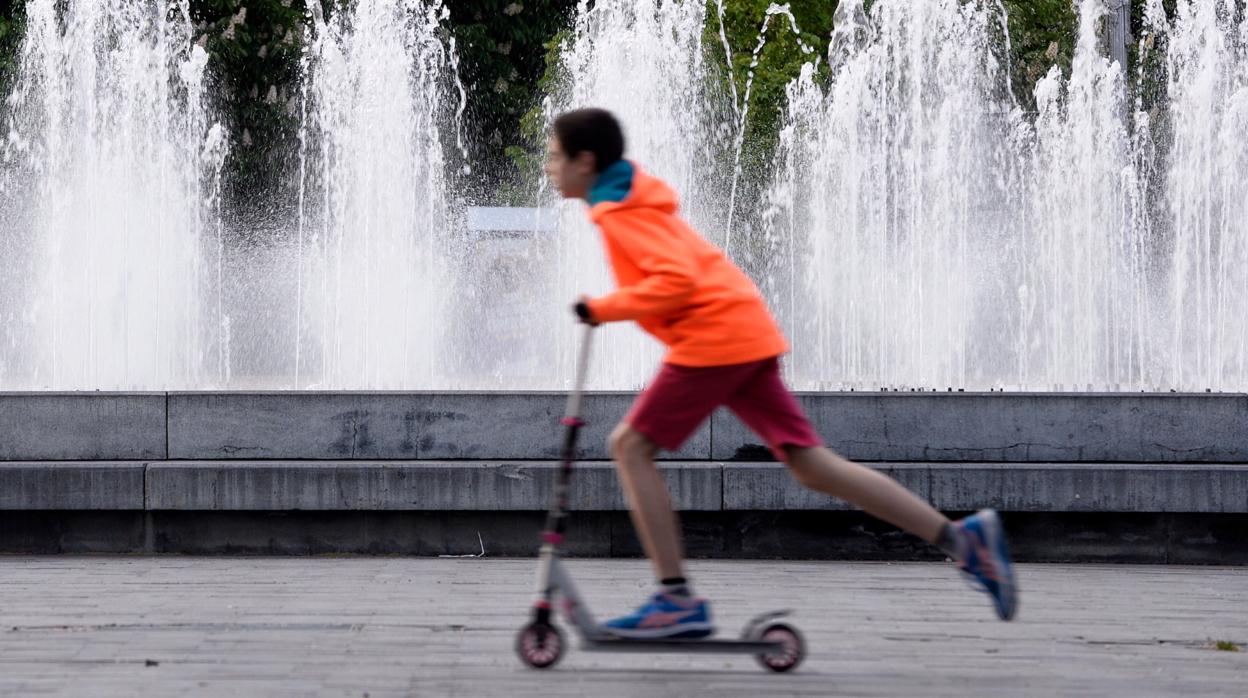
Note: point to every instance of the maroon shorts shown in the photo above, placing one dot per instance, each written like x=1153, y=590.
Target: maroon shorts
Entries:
x=680, y=398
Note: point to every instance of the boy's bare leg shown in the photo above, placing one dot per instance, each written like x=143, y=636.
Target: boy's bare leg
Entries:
x=817, y=468
x=875, y=493
x=648, y=501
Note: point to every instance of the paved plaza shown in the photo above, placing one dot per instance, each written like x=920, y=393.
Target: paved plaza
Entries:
x=349, y=626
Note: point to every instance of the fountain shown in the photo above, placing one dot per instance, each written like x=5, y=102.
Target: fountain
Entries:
x=887, y=205
x=1084, y=320
x=110, y=272
x=373, y=244
x=1204, y=214
x=918, y=229
x=929, y=235
x=645, y=61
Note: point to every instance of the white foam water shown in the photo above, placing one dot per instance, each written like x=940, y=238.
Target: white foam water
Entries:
x=374, y=240
x=111, y=203
x=919, y=229
x=645, y=61
x=929, y=235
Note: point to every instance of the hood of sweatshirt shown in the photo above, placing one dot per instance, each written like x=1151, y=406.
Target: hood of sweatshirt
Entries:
x=624, y=186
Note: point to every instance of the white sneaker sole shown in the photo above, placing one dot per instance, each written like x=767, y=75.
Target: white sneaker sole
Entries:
x=993, y=532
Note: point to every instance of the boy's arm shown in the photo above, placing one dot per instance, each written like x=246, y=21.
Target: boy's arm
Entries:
x=668, y=265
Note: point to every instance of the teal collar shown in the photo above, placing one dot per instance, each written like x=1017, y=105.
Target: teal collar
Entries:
x=613, y=183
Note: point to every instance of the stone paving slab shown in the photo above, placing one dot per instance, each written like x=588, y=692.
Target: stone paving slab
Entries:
x=949, y=427
x=411, y=485
x=695, y=486
x=770, y=487
x=234, y=627
x=1015, y=427
x=1064, y=487
x=82, y=426
x=1101, y=487
x=437, y=426
x=71, y=485
x=521, y=485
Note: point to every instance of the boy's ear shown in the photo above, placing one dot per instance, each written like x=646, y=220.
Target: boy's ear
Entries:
x=586, y=158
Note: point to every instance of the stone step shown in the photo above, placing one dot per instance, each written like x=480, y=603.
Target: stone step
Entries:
x=501, y=485
x=335, y=426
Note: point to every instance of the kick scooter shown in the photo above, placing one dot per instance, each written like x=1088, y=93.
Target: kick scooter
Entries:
x=777, y=646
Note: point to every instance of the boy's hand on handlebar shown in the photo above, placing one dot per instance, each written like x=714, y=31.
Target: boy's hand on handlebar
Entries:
x=581, y=310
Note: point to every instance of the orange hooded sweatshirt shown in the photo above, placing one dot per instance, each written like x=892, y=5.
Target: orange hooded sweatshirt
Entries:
x=676, y=285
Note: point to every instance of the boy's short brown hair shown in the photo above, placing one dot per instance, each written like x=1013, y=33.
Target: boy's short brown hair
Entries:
x=594, y=130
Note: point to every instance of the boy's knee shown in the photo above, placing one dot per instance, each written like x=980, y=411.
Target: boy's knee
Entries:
x=800, y=473
x=803, y=466
x=626, y=441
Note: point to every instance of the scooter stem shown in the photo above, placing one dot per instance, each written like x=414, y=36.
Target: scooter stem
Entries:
x=556, y=517
x=573, y=410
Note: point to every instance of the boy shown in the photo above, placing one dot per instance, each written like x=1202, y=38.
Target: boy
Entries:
x=724, y=349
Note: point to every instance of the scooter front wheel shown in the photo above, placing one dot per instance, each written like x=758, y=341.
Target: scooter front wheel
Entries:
x=792, y=648
x=539, y=645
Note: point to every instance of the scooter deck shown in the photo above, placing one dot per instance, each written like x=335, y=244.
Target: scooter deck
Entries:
x=683, y=645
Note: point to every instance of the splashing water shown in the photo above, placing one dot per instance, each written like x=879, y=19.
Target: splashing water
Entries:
x=920, y=230
x=742, y=111
x=374, y=238
x=927, y=234
x=885, y=205
x=1083, y=301
x=110, y=200
x=646, y=62
x=1205, y=212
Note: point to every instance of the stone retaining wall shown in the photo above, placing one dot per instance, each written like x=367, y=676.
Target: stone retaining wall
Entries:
x=928, y=427
x=1098, y=477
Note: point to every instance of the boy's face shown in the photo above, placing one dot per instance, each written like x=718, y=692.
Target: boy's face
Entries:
x=571, y=176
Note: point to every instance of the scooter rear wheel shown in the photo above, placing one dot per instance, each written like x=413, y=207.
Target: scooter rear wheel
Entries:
x=539, y=645
x=791, y=652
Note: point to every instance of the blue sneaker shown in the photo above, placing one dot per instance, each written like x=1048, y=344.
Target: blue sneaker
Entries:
x=664, y=616
x=986, y=563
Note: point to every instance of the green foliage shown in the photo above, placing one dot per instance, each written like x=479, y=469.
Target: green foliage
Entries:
x=254, y=48
x=504, y=48
x=508, y=56
x=12, y=16
x=779, y=61
x=528, y=153
x=1042, y=34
